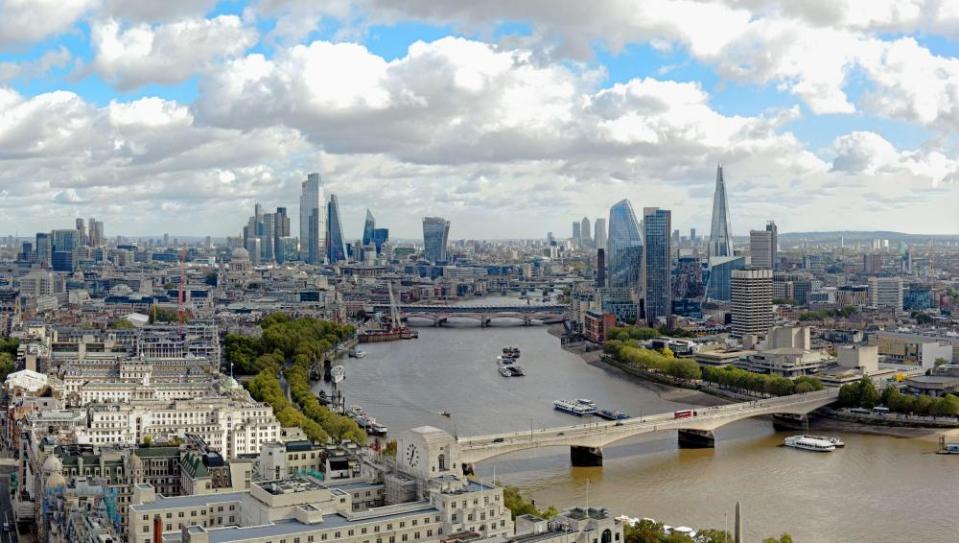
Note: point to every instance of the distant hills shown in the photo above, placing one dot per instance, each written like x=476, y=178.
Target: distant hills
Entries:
x=857, y=235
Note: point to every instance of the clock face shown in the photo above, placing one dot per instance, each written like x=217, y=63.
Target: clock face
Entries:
x=412, y=455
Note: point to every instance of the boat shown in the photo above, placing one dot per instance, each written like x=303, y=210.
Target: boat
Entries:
x=357, y=353
x=611, y=415
x=504, y=360
x=587, y=402
x=512, y=352
x=573, y=407
x=834, y=440
x=376, y=429
x=445, y=414
x=809, y=444
x=517, y=370
x=505, y=371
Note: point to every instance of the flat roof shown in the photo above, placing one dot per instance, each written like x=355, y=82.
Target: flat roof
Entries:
x=196, y=500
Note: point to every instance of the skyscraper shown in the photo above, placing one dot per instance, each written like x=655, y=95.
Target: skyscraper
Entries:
x=720, y=234
x=584, y=231
x=624, y=247
x=599, y=235
x=752, y=301
x=335, y=249
x=577, y=235
x=369, y=225
x=281, y=229
x=762, y=247
x=95, y=233
x=312, y=220
x=658, y=224
x=436, y=231
x=600, y=268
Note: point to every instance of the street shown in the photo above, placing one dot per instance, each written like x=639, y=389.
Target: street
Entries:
x=8, y=532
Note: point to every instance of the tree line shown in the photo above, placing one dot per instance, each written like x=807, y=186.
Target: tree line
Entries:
x=774, y=385
x=863, y=393
x=632, y=353
x=292, y=346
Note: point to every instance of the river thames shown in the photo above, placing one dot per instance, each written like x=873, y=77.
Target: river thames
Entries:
x=878, y=488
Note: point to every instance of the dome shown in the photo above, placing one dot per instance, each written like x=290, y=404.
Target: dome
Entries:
x=56, y=480
x=52, y=465
x=240, y=254
x=121, y=290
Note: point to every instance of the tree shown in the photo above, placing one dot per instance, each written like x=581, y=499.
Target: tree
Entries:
x=940, y=362
x=785, y=538
x=518, y=505
x=868, y=395
x=7, y=365
x=147, y=441
x=390, y=448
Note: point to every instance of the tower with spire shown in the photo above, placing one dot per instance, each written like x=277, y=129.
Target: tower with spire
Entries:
x=720, y=234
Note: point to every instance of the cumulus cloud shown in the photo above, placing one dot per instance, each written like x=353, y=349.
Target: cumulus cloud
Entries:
x=25, y=21
x=869, y=153
x=129, y=57
x=138, y=10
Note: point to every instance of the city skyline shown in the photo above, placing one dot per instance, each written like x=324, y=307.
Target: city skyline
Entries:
x=187, y=115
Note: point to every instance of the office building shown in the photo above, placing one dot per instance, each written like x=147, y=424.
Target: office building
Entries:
x=658, y=226
x=886, y=292
x=44, y=249
x=335, y=248
x=751, y=302
x=762, y=247
x=584, y=231
x=380, y=236
x=312, y=220
x=436, y=231
x=577, y=234
x=600, y=268
x=624, y=248
x=369, y=225
x=599, y=236
x=281, y=230
x=95, y=233
x=718, y=285
x=720, y=233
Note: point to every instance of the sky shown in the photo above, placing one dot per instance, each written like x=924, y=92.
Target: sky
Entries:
x=510, y=118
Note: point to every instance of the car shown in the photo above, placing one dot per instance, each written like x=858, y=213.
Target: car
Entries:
x=498, y=440
x=6, y=526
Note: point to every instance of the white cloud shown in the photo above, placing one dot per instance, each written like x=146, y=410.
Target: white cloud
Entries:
x=165, y=10
x=25, y=21
x=29, y=69
x=869, y=153
x=129, y=57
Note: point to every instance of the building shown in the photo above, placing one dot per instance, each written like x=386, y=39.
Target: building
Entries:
x=599, y=236
x=596, y=325
x=886, y=293
x=852, y=295
x=312, y=220
x=577, y=231
x=718, y=285
x=751, y=302
x=600, y=268
x=658, y=226
x=864, y=358
x=720, y=233
x=624, y=248
x=369, y=225
x=585, y=231
x=916, y=348
x=436, y=231
x=762, y=247
x=335, y=248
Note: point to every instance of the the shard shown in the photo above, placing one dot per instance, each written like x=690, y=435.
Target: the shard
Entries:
x=720, y=235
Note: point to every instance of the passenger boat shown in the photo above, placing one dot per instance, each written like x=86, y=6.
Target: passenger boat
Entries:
x=517, y=370
x=505, y=359
x=574, y=407
x=809, y=444
x=834, y=440
x=375, y=429
x=505, y=371
x=357, y=353
x=512, y=352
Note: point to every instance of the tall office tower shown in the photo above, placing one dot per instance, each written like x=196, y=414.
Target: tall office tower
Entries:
x=335, y=249
x=600, y=268
x=624, y=247
x=436, y=231
x=380, y=236
x=886, y=292
x=44, y=248
x=95, y=233
x=752, y=301
x=584, y=231
x=692, y=235
x=81, y=232
x=312, y=220
x=599, y=236
x=761, y=249
x=267, y=231
x=720, y=234
x=369, y=225
x=281, y=229
x=577, y=235
x=658, y=225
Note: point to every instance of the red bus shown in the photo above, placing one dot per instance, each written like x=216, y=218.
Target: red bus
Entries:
x=683, y=414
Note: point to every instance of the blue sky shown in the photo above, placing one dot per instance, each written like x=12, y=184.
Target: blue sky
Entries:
x=619, y=104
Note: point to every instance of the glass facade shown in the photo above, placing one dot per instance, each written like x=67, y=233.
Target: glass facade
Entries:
x=335, y=250
x=368, y=227
x=436, y=231
x=658, y=226
x=624, y=253
x=720, y=233
x=720, y=276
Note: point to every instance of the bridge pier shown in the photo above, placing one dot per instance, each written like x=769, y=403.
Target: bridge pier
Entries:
x=586, y=457
x=696, y=439
x=468, y=469
x=485, y=322
x=527, y=321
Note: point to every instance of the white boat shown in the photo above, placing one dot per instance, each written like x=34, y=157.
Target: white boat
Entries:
x=357, y=353
x=587, y=402
x=834, y=440
x=505, y=371
x=809, y=443
x=573, y=407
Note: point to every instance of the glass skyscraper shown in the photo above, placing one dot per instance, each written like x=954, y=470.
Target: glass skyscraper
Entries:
x=436, y=231
x=657, y=225
x=624, y=247
x=720, y=276
x=335, y=249
x=720, y=233
x=369, y=225
x=312, y=220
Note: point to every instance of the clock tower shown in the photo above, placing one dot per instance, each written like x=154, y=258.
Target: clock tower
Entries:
x=427, y=452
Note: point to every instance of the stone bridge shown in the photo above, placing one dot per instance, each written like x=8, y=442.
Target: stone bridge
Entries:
x=484, y=314
x=587, y=440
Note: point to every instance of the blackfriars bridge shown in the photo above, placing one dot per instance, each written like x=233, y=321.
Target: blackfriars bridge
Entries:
x=695, y=426
x=484, y=314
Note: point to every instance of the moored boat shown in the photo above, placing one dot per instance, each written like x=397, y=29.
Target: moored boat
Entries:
x=574, y=407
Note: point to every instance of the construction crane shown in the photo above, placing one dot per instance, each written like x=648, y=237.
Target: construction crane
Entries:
x=179, y=299
x=394, y=309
